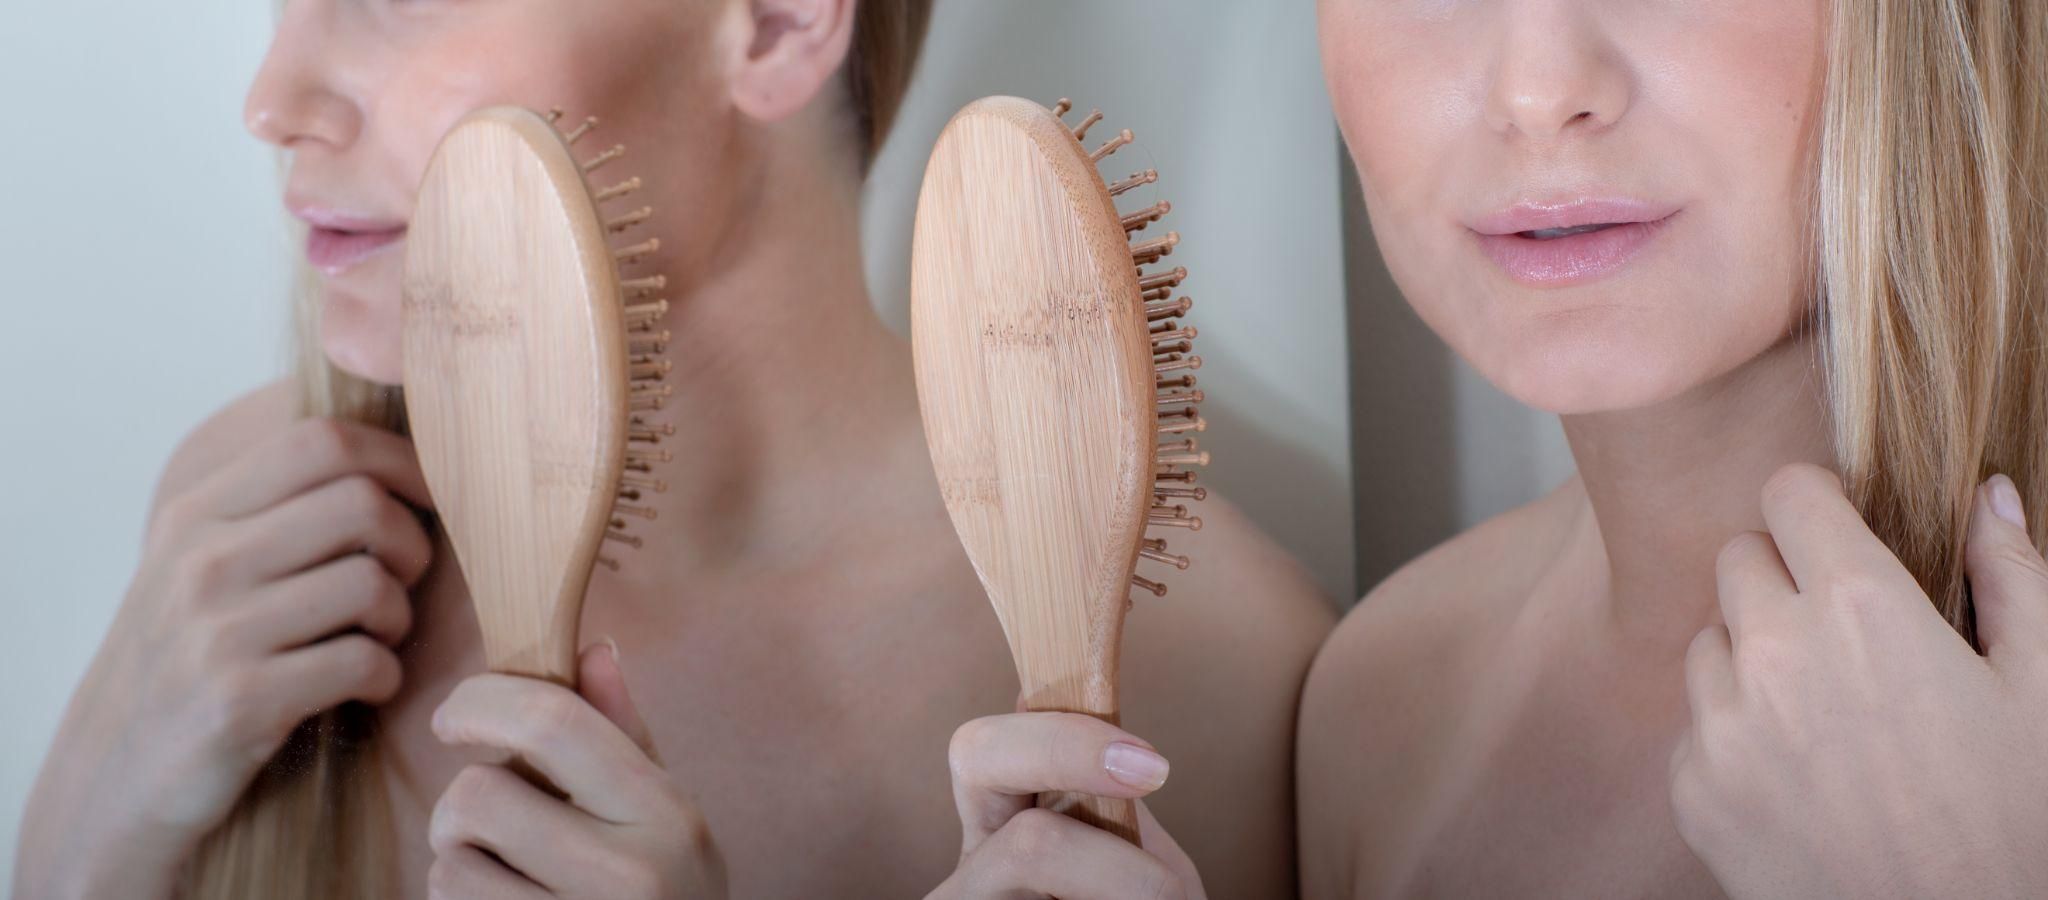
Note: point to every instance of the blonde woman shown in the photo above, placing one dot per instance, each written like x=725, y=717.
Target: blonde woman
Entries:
x=1740, y=247
x=287, y=704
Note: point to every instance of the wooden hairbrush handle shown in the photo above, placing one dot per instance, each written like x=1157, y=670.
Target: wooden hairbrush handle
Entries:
x=1112, y=814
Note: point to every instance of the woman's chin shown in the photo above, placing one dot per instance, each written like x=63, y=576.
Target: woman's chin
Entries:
x=353, y=343
x=358, y=358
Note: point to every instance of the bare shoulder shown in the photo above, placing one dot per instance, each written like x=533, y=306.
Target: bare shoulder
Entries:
x=223, y=436
x=1383, y=698
x=1212, y=674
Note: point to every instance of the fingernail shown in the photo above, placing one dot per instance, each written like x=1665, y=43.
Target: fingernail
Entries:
x=2005, y=501
x=614, y=645
x=1134, y=766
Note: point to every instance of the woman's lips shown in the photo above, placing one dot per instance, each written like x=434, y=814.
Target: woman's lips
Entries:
x=333, y=251
x=1562, y=244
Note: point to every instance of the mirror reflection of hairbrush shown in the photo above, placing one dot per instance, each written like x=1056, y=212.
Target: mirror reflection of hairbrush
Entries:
x=533, y=361
x=1056, y=383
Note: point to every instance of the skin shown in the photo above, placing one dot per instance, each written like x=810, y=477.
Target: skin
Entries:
x=802, y=635
x=1510, y=700
x=1551, y=704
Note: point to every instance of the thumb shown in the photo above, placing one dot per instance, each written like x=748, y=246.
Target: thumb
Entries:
x=2008, y=580
x=603, y=685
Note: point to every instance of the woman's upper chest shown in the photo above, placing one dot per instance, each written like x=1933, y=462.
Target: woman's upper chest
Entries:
x=823, y=729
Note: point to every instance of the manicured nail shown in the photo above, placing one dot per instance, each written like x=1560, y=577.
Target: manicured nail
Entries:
x=1134, y=766
x=2005, y=501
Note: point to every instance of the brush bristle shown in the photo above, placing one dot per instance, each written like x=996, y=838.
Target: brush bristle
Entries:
x=641, y=312
x=1173, y=360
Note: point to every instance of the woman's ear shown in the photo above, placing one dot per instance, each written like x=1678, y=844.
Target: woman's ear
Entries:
x=792, y=49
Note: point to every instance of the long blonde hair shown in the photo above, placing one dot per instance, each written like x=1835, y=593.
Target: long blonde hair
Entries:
x=316, y=823
x=1933, y=241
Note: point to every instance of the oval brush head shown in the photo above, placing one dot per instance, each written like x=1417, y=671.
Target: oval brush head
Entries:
x=530, y=363
x=1051, y=364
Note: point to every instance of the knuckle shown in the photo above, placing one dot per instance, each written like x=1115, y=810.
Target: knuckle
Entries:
x=1033, y=839
x=362, y=499
x=633, y=878
x=1795, y=483
x=202, y=572
x=322, y=442
x=1855, y=592
x=1741, y=548
x=967, y=746
x=552, y=714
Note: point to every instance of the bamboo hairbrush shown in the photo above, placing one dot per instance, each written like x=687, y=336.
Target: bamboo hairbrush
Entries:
x=1050, y=367
x=530, y=360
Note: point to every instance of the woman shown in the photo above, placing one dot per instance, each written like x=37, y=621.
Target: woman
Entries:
x=800, y=633
x=1653, y=219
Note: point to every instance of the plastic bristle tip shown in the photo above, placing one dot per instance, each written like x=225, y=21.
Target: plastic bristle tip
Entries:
x=1142, y=178
x=1196, y=494
x=1138, y=220
x=623, y=538
x=638, y=251
x=581, y=130
x=599, y=160
x=1192, y=362
x=1195, y=425
x=618, y=190
x=1157, y=589
x=630, y=219
x=608, y=563
x=1178, y=562
x=1164, y=279
x=1110, y=147
x=1062, y=107
x=637, y=511
x=1081, y=130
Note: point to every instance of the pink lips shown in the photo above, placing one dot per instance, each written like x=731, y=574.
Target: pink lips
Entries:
x=1556, y=244
x=337, y=241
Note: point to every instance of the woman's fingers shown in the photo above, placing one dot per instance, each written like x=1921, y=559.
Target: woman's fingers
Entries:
x=351, y=514
x=561, y=735
x=1748, y=575
x=1040, y=853
x=1000, y=764
x=491, y=808
x=307, y=455
x=284, y=690
x=1821, y=536
x=354, y=592
x=2008, y=580
x=603, y=684
x=467, y=873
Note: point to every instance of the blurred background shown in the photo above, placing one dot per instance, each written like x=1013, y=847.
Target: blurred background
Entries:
x=144, y=267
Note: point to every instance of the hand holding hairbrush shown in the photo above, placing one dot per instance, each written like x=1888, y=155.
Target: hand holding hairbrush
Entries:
x=1056, y=383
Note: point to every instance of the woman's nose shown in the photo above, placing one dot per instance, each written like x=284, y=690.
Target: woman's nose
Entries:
x=295, y=98
x=1554, y=72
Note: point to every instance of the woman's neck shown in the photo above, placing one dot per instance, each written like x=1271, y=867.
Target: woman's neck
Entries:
x=787, y=387
x=1669, y=484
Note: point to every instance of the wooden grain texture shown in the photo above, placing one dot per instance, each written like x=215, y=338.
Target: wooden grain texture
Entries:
x=516, y=378
x=1035, y=377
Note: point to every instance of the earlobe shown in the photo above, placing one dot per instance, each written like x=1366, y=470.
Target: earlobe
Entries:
x=793, y=49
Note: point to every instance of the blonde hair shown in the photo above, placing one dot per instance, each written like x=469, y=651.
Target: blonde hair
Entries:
x=887, y=38
x=316, y=824
x=1933, y=241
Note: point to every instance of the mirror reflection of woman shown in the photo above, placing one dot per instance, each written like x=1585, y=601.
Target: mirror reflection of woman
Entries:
x=1782, y=268
x=769, y=686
